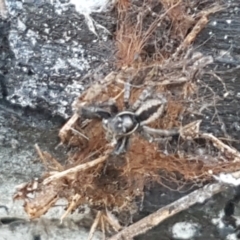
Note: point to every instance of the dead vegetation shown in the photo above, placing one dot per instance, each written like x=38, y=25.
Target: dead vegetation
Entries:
x=155, y=30
x=153, y=41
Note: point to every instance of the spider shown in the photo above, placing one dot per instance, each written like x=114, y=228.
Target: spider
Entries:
x=120, y=125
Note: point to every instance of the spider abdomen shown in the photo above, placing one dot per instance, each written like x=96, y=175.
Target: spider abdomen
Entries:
x=151, y=110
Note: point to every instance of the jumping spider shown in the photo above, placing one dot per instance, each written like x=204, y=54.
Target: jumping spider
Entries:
x=120, y=125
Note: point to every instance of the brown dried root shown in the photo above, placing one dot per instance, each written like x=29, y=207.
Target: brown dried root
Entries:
x=94, y=225
x=72, y=206
x=74, y=170
x=43, y=197
x=48, y=161
x=102, y=218
x=126, y=177
x=171, y=30
x=82, y=181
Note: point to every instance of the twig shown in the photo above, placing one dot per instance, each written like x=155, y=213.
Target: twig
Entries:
x=191, y=131
x=71, y=206
x=221, y=146
x=162, y=214
x=103, y=229
x=63, y=133
x=46, y=158
x=40, y=154
x=113, y=221
x=94, y=225
x=79, y=133
x=119, y=95
x=202, y=22
x=55, y=164
x=78, y=168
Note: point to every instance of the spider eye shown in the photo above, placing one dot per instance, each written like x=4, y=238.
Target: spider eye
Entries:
x=119, y=125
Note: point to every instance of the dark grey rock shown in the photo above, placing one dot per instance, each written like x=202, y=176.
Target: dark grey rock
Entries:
x=50, y=53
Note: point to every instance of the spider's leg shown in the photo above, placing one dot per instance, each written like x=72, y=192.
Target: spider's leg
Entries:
x=121, y=145
x=151, y=138
x=161, y=132
x=98, y=111
x=150, y=111
x=143, y=96
x=127, y=93
x=111, y=104
x=94, y=112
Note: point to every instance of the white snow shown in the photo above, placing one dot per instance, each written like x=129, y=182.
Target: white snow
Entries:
x=218, y=221
x=229, y=21
x=185, y=230
x=232, y=236
x=214, y=23
x=228, y=179
x=90, y=6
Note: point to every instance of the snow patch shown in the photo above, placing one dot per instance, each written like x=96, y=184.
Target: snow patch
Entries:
x=232, y=236
x=85, y=7
x=90, y=6
x=218, y=221
x=228, y=179
x=185, y=230
x=229, y=21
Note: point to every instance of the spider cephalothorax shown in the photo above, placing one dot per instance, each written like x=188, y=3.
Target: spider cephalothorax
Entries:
x=120, y=125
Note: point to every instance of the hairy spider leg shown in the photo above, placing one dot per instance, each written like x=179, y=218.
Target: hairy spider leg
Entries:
x=127, y=94
x=161, y=132
x=94, y=112
x=121, y=146
x=111, y=103
x=103, y=110
x=146, y=93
